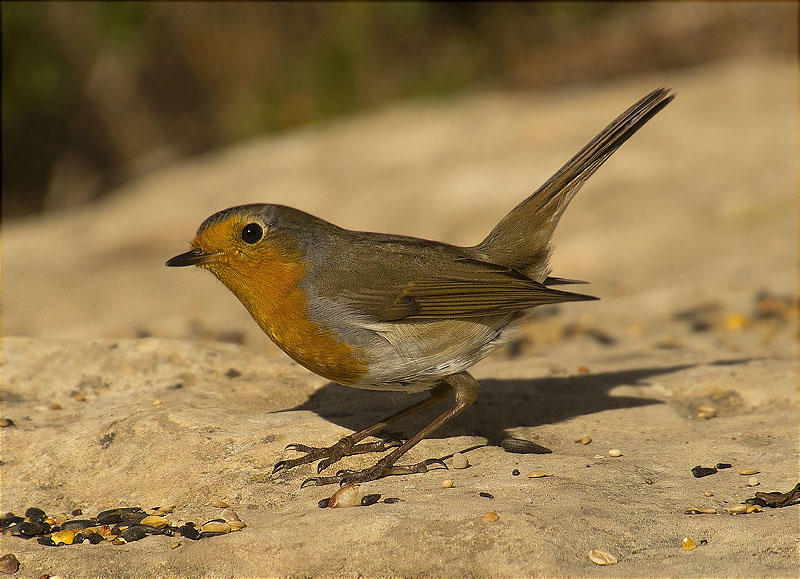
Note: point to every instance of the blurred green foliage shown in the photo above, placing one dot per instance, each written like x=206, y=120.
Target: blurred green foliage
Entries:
x=97, y=93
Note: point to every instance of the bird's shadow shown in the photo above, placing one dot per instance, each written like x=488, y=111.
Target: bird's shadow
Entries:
x=502, y=404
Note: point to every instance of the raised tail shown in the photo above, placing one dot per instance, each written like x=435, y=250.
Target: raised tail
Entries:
x=522, y=238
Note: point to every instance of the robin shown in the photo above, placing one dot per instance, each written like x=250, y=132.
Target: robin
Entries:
x=389, y=312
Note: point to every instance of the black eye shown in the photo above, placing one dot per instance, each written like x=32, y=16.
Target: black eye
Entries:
x=252, y=233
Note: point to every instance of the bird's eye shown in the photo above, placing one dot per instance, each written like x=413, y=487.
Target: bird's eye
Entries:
x=252, y=233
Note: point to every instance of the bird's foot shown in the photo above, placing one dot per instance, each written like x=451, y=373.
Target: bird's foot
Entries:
x=331, y=454
x=381, y=469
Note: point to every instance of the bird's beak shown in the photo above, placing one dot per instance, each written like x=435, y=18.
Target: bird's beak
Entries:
x=193, y=257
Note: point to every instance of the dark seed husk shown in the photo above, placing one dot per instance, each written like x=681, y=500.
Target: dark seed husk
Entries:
x=28, y=529
x=215, y=521
x=723, y=465
x=206, y=534
x=95, y=538
x=520, y=446
x=133, y=518
x=368, y=500
x=134, y=533
x=7, y=521
x=392, y=500
x=756, y=501
x=778, y=499
x=112, y=516
x=189, y=532
x=323, y=503
x=47, y=541
x=35, y=512
x=77, y=524
x=515, y=472
x=701, y=471
x=487, y=495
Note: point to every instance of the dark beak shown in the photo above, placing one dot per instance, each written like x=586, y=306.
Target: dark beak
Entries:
x=193, y=257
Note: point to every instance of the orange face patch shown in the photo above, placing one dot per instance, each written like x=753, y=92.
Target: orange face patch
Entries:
x=265, y=278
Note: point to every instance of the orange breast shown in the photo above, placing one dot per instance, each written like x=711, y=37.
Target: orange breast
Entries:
x=269, y=290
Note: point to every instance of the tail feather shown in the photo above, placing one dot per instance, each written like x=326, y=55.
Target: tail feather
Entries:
x=522, y=238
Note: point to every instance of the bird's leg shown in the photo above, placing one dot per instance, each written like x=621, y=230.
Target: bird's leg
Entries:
x=466, y=390
x=349, y=446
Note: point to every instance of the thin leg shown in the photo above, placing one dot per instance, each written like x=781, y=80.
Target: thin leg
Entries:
x=348, y=446
x=466, y=390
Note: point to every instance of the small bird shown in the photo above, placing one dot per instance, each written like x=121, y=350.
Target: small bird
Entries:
x=397, y=313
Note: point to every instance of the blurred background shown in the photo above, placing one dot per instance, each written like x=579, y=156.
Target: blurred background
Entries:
x=98, y=94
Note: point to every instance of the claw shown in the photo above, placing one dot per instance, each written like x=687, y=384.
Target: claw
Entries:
x=391, y=443
x=437, y=461
x=322, y=465
x=280, y=465
x=292, y=446
x=309, y=482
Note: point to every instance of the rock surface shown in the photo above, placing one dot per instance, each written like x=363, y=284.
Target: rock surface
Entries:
x=678, y=233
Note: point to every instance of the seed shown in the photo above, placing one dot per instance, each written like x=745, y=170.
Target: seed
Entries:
x=753, y=481
x=158, y=402
x=490, y=517
x=706, y=412
x=537, y=474
x=447, y=483
x=189, y=532
x=735, y=322
x=723, y=465
x=515, y=472
x=599, y=557
x=166, y=509
x=77, y=524
x=9, y=564
x=737, y=509
x=370, y=499
x=708, y=494
x=134, y=533
x=35, y=514
x=347, y=496
x=174, y=545
x=392, y=500
x=749, y=471
x=692, y=511
x=219, y=504
x=521, y=446
x=688, y=544
x=583, y=369
x=66, y=537
x=55, y=406
x=486, y=495
x=236, y=525
x=753, y=509
x=648, y=481
x=79, y=397
x=615, y=452
x=584, y=440
x=701, y=471
x=154, y=521
x=216, y=527
x=708, y=511
x=459, y=461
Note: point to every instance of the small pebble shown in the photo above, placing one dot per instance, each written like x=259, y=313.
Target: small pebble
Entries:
x=447, y=483
x=537, y=474
x=490, y=517
x=79, y=397
x=158, y=402
x=229, y=515
x=688, y=544
x=487, y=495
x=708, y=494
x=459, y=461
x=584, y=440
x=615, y=452
x=347, y=496
x=749, y=471
x=9, y=564
x=753, y=481
x=599, y=557
x=648, y=481
x=515, y=472
x=220, y=504
x=55, y=406
x=583, y=369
